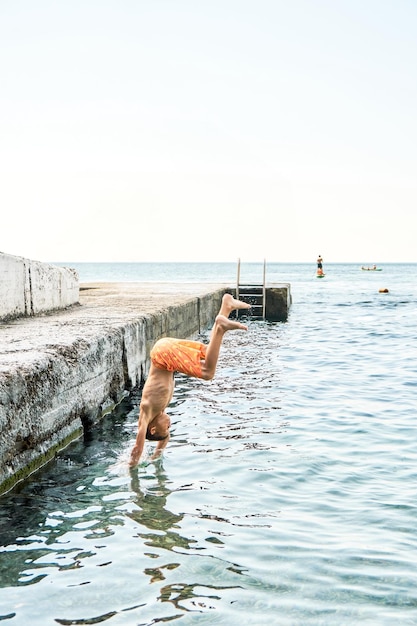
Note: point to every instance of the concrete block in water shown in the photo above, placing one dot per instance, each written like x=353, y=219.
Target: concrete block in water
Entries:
x=277, y=302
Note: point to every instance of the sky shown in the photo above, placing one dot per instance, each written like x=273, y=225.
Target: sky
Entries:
x=208, y=130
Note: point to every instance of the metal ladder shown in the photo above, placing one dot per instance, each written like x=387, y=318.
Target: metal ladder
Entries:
x=255, y=294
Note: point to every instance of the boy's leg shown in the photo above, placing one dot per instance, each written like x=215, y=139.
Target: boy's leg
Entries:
x=222, y=324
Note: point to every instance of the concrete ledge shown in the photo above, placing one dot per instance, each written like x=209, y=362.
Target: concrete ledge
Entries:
x=61, y=372
x=31, y=288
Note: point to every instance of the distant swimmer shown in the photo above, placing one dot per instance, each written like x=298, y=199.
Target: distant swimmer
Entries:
x=171, y=355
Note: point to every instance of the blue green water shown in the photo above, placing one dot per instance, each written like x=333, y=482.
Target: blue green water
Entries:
x=286, y=496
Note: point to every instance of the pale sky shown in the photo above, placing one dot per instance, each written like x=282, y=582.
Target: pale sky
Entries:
x=208, y=130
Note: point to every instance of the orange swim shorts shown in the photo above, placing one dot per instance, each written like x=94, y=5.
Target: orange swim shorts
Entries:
x=179, y=355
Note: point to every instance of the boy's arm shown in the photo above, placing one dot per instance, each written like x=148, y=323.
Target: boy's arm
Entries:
x=139, y=443
x=159, y=447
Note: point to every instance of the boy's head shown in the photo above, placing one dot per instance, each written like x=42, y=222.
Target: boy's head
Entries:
x=158, y=429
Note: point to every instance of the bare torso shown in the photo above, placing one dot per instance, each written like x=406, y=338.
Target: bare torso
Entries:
x=158, y=391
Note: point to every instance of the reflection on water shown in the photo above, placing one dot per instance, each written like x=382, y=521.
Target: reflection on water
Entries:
x=286, y=495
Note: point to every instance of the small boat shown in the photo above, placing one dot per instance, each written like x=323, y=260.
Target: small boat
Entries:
x=371, y=269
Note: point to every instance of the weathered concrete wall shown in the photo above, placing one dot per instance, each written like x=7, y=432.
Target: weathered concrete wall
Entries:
x=277, y=302
x=30, y=287
x=75, y=369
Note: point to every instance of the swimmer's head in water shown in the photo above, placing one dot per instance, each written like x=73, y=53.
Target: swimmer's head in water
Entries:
x=158, y=429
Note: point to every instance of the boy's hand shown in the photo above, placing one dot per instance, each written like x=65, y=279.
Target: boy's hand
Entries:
x=134, y=456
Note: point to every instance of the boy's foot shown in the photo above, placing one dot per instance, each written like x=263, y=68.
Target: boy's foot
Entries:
x=224, y=323
x=229, y=304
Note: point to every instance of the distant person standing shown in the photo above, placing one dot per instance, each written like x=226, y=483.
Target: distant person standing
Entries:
x=319, y=263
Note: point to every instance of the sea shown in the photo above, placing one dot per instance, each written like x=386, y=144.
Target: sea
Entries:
x=287, y=495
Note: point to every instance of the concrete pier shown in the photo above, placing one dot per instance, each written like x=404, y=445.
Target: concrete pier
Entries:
x=61, y=371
